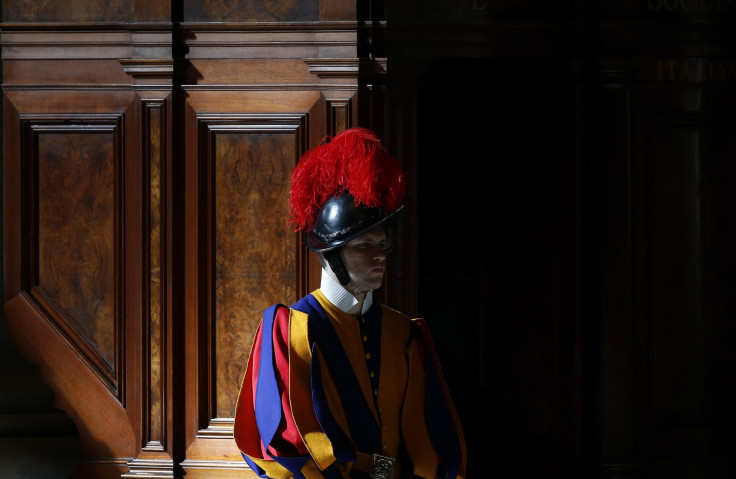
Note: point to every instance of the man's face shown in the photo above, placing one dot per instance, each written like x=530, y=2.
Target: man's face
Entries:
x=365, y=258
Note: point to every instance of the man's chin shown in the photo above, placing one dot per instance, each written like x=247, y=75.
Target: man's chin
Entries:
x=369, y=285
x=376, y=284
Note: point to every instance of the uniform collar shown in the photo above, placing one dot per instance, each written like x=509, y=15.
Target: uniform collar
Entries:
x=341, y=297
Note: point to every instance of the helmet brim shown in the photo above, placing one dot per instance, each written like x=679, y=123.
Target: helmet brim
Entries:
x=316, y=245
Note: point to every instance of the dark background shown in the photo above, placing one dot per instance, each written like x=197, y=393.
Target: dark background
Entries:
x=575, y=189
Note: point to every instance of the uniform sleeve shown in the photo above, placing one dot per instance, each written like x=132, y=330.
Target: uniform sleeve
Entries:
x=437, y=444
x=266, y=430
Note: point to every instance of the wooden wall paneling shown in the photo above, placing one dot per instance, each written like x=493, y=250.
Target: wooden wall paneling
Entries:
x=155, y=458
x=151, y=76
x=339, y=114
x=87, y=11
x=257, y=96
x=73, y=222
x=75, y=216
x=12, y=195
x=294, y=11
x=71, y=90
x=258, y=86
x=242, y=256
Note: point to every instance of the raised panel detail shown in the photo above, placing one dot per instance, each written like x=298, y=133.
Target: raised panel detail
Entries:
x=156, y=357
x=72, y=225
x=339, y=115
x=252, y=252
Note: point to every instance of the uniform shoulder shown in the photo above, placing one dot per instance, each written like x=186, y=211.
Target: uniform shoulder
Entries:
x=393, y=314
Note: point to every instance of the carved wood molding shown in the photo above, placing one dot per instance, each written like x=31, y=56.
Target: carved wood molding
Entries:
x=148, y=67
x=140, y=468
x=156, y=355
x=84, y=44
x=333, y=67
x=279, y=87
x=270, y=26
x=293, y=42
x=209, y=469
x=191, y=464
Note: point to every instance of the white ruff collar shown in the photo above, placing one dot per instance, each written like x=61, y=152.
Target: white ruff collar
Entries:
x=341, y=297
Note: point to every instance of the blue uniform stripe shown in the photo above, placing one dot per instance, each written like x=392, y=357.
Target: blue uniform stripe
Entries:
x=341, y=443
x=364, y=430
x=268, y=398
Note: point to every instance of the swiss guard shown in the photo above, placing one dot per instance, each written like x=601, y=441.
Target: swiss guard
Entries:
x=337, y=385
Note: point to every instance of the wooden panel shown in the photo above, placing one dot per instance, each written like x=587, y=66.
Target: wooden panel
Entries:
x=156, y=208
x=339, y=115
x=81, y=11
x=75, y=228
x=86, y=11
x=253, y=12
x=156, y=351
x=70, y=306
x=255, y=253
x=284, y=11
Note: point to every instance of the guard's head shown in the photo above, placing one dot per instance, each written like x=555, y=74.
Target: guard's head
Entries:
x=343, y=188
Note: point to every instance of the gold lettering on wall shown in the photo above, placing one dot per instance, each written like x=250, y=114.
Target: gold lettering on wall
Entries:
x=696, y=70
x=691, y=5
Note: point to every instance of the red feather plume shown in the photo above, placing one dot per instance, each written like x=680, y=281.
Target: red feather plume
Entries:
x=354, y=162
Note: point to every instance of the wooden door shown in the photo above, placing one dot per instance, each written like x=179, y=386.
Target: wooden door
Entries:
x=147, y=154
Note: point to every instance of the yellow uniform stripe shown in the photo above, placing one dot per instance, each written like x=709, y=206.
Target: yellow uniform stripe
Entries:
x=300, y=392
